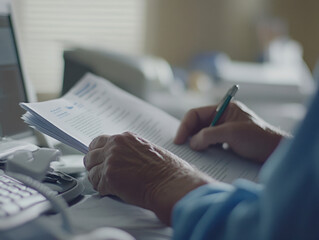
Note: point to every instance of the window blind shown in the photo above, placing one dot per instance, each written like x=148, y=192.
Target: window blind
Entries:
x=47, y=27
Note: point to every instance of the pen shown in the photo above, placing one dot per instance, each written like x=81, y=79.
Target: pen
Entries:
x=224, y=103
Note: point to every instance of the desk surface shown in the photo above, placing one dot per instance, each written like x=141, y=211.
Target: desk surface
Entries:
x=93, y=212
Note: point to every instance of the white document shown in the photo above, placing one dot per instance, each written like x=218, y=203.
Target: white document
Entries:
x=94, y=106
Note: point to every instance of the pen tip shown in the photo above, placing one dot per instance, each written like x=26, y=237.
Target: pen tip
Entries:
x=233, y=90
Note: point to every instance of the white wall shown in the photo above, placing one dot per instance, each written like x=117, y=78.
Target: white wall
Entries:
x=47, y=27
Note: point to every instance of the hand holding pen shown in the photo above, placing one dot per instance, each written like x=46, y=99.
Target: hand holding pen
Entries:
x=245, y=133
x=200, y=118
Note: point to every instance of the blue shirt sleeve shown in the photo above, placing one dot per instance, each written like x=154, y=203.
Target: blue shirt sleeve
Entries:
x=284, y=205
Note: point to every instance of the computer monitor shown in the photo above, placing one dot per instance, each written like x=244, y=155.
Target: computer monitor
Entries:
x=13, y=89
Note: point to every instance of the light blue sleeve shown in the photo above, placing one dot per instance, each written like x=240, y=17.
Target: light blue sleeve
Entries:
x=285, y=205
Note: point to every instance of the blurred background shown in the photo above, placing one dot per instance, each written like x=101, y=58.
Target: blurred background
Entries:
x=199, y=48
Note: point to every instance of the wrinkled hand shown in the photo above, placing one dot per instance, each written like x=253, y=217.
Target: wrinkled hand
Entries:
x=244, y=132
x=140, y=173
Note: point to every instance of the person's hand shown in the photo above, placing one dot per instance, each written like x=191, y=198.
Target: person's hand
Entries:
x=245, y=133
x=140, y=173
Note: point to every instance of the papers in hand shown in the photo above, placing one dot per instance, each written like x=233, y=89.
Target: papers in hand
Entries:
x=94, y=106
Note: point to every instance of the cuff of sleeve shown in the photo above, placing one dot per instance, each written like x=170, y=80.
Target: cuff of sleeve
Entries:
x=188, y=206
x=209, y=205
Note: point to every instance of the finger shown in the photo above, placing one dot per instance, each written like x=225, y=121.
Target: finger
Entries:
x=193, y=121
x=99, y=142
x=94, y=157
x=94, y=176
x=129, y=136
x=211, y=135
x=99, y=183
x=102, y=187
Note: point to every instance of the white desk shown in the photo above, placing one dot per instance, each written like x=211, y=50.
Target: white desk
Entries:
x=93, y=212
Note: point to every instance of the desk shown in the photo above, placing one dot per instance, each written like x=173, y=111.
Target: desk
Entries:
x=90, y=213
x=94, y=212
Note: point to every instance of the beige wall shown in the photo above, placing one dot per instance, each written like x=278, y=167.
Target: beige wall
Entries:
x=303, y=19
x=178, y=29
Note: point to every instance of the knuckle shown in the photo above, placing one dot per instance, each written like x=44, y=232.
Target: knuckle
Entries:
x=123, y=139
x=129, y=134
x=118, y=139
x=130, y=137
x=98, y=141
x=103, y=137
x=191, y=113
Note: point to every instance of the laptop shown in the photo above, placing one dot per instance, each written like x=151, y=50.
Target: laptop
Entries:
x=16, y=135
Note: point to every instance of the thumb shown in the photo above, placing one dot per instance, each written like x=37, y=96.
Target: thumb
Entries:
x=210, y=135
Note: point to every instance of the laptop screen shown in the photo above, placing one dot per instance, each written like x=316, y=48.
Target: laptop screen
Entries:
x=12, y=88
